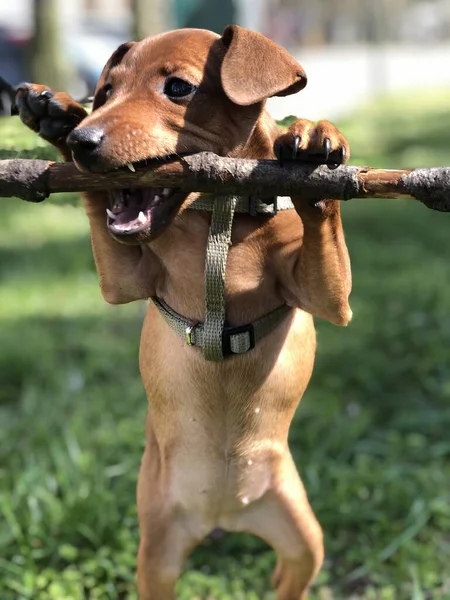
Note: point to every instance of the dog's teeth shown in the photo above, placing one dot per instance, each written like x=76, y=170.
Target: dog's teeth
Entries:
x=166, y=192
x=131, y=167
x=156, y=198
x=111, y=215
x=141, y=218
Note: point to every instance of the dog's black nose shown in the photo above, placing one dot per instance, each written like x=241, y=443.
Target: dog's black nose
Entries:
x=85, y=143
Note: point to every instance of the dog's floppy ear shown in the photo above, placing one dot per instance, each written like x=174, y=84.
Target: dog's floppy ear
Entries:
x=116, y=57
x=255, y=68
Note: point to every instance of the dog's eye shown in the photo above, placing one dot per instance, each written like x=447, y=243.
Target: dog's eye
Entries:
x=107, y=90
x=177, y=88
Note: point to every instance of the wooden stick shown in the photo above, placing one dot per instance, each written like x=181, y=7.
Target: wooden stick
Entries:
x=34, y=180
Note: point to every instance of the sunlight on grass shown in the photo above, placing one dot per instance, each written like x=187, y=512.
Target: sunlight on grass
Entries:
x=16, y=136
x=32, y=225
x=420, y=121
x=70, y=296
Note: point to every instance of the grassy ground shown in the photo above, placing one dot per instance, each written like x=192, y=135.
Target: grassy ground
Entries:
x=371, y=439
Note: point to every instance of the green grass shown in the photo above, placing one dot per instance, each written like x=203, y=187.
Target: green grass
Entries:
x=371, y=438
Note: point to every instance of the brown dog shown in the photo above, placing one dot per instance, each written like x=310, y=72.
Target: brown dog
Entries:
x=217, y=452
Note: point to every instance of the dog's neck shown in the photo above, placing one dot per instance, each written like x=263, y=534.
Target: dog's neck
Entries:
x=261, y=139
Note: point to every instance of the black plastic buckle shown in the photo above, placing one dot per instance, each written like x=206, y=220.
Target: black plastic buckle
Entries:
x=275, y=206
x=229, y=331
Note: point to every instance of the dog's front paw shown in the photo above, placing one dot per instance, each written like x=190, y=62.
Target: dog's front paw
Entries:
x=320, y=143
x=51, y=114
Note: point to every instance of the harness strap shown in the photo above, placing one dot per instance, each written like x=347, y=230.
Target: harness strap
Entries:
x=249, y=204
x=234, y=340
x=215, y=339
x=219, y=240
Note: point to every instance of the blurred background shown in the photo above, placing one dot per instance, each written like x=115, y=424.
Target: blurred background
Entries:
x=387, y=45
x=371, y=439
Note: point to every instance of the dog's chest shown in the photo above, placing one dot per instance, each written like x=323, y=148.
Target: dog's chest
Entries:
x=182, y=252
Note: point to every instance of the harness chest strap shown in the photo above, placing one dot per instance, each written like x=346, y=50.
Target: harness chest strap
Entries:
x=216, y=340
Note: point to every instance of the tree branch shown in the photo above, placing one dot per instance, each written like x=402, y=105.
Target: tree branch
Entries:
x=34, y=180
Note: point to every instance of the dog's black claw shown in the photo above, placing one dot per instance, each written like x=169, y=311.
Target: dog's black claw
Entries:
x=295, y=146
x=46, y=94
x=326, y=149
x=14, y=110
x=289, y=151
x=22, y=87
x=342, y=153
x=315, y=203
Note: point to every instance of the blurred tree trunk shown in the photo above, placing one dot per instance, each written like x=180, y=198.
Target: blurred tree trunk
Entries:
x=151, y=17
x=212, y=15
x=48, y=65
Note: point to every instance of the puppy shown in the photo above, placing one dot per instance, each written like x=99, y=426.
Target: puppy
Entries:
x=216, y=435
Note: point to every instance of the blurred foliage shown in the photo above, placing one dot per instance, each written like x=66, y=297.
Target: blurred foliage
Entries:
x=371, y=439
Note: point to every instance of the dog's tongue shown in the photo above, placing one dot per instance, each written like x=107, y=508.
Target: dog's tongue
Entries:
x=131, y=208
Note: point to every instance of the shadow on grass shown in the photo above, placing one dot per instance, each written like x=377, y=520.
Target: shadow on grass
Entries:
x=67, y=354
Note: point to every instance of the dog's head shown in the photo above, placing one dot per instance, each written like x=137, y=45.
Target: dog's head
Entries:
x=181, y=92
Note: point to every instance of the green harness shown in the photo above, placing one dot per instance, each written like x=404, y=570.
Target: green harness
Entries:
x=214, y=337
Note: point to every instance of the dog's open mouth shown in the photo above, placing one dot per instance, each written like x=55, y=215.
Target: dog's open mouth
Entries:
x=133, y=209
x=138, y=215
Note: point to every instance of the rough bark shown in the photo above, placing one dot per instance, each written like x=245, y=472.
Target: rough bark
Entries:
x=33, y=180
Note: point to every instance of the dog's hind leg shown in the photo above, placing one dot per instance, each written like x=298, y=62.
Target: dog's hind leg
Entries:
x=284, y=519
x=167, y=536
x=164, y=546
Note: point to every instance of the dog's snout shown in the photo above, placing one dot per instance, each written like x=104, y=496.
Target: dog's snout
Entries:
x=86, y=138
x=85, y=143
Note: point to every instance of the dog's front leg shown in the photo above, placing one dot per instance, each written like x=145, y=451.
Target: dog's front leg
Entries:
x=322, y=274
x=52, y=115
x=318, y=279
x=126, y=273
